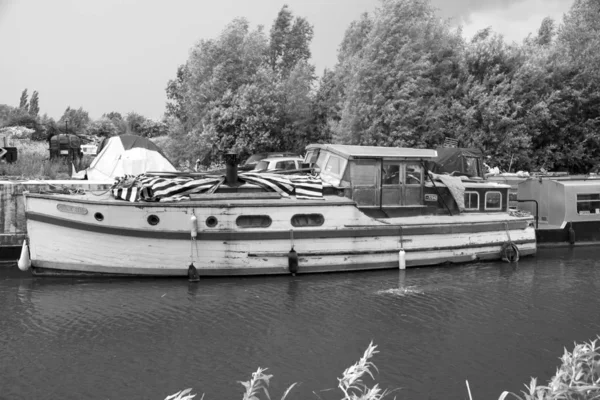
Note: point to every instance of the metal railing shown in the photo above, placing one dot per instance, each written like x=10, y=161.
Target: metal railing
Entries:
x=536, y=208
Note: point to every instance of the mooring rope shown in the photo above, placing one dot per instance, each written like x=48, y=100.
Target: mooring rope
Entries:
x=509, y=250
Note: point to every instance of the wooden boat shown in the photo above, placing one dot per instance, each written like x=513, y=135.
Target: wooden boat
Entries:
x=374, y=208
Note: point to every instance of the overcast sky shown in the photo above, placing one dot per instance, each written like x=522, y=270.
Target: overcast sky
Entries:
x=117, y=55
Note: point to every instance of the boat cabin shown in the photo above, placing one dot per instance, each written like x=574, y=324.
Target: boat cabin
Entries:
x=393, y=181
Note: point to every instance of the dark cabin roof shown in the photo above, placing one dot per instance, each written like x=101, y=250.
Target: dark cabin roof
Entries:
x=354, y=152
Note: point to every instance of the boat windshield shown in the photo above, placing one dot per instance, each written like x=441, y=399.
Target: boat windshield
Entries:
x=472, y=166
x=321, y=160
x=262, y=165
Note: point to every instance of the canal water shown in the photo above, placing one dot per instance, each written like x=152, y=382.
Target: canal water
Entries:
x=493, y=324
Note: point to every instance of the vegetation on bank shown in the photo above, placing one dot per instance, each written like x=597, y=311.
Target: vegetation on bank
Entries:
x=404, y=77
x=577, y=378
x=33, y=162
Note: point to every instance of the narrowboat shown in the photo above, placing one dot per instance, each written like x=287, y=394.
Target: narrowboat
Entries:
x=566, y=207
x=363, y=208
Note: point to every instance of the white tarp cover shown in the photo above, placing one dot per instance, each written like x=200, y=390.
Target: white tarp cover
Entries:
x=127, y=155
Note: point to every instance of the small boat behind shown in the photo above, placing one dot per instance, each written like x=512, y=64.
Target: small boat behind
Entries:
x=363, y=208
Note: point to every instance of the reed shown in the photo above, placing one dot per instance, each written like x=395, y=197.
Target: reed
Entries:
x=351, y=383
x=577, y=378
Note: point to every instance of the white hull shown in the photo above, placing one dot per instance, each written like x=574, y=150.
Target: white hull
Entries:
x=64, y=238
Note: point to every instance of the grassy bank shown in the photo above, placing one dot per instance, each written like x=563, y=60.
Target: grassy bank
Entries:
x=33, y=162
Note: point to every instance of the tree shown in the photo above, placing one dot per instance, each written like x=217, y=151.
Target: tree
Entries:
x=74, y=121
x=296, y=94
x=290, y=41
x=5, y=112
x=546, y=32
x=400, y=77
x=221, y=65
x=134, y=122
x=23, y=103
x=118, y=121
x=248, y=120
x=176, y=98
x=103, y=127
x=34, y=106
x=150, y=128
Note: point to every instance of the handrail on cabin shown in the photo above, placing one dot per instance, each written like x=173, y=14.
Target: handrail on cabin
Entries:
x=536, y=208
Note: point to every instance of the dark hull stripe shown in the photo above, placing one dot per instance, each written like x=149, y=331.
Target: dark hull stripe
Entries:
x=43, y=268
x=302, y=233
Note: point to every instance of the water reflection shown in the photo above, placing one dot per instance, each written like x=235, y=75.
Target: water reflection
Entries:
x=495, y=324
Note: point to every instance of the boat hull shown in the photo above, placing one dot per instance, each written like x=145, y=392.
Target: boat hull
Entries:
x=67, y=237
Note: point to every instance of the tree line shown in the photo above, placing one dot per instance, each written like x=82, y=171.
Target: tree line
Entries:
x=404, y=77
x=76, y=121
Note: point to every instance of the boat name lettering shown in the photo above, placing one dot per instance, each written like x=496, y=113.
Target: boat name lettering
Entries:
x=71, y=209
x=431, y=197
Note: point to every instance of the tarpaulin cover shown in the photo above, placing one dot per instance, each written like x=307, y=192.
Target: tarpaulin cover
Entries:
x=127, y=155
x=455, y=186
x=165, y=187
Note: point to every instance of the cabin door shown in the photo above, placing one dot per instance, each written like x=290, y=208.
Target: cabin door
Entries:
x=401, y=184
x=365, y=178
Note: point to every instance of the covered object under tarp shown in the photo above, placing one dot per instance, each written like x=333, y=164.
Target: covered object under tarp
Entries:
x=127, y=155
x=457, y=161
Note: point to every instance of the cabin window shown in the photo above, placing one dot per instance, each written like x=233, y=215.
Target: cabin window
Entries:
x=303, y=220
x=321, y=160
x=311, y=156
x=472, y=166
x=391, y=174
x=471, y=201
x=290, y=164
x=253, y=221
x=335, y=165
x=261, y=165
x=363, y=174
x=588, y=203
x=493, y=201
x=414, y=175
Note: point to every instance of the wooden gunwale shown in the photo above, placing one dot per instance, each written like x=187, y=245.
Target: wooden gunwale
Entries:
x=339, y=201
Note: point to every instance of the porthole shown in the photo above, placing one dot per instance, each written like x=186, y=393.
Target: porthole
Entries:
x=253, y=221
x=211, y=221
x=302, y=220
x=153, y=219
x=99, y=216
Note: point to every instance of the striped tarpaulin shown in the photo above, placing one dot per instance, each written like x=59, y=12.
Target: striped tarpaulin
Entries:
x=155, y=187
x=162, y=188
